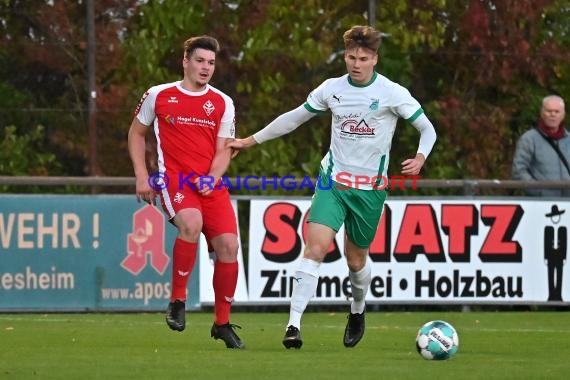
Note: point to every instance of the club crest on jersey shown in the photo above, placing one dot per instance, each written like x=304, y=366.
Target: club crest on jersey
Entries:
x=208, y=107
x=374, y=105
x=178, y=198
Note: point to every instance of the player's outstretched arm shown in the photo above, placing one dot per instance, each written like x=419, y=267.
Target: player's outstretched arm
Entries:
x=240, y=144
x=282, y=125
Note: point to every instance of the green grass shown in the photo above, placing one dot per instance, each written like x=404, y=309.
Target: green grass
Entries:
x=493, y=345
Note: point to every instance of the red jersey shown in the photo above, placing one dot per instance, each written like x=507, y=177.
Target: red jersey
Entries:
x=187, y=125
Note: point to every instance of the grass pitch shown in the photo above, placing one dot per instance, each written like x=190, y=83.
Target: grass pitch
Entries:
x=492, y=345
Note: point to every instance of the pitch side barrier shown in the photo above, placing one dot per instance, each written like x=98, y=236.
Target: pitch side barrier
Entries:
x=107, y=252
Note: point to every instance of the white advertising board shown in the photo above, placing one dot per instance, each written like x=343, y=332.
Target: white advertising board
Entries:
x=425, y=251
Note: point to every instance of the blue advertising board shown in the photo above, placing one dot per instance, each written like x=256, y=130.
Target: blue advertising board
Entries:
x=79, y=253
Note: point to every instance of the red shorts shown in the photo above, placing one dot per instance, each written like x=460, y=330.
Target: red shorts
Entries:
x=218, y=213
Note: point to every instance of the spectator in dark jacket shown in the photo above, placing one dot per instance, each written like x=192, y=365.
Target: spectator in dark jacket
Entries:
x=536, y=158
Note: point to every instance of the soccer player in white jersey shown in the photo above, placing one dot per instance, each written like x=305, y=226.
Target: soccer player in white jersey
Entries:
x=365, y=107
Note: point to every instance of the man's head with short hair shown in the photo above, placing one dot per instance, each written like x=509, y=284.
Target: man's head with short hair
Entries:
x=362, y=36
x=199, y=62
x=552, y=111
x=361, y=53
x=200, y=42
x=553, y=98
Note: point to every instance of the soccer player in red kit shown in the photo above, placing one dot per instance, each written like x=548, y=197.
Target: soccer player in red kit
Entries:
x=192, y=122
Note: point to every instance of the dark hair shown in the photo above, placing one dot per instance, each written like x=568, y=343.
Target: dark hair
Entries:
x=362, y=36
x=200, y=42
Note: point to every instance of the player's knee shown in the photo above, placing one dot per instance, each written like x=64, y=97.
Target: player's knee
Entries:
x=189, y=232
x=355, y=264
x=231, y=247
x=316, y=252
x=356, y=258
x=226, y=249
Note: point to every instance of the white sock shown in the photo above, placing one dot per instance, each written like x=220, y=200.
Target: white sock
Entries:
x=307, y=278
x=359, y=283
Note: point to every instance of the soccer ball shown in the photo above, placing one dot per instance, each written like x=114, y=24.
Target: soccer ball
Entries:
x=437, y=340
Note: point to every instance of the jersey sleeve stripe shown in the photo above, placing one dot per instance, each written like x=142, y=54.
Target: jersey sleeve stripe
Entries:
x=311, y=109
x=415, y=115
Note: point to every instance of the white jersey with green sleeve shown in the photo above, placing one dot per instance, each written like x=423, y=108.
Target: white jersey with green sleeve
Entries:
x=364, y=118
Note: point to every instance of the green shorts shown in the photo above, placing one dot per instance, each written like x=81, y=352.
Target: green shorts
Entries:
x=359, y=210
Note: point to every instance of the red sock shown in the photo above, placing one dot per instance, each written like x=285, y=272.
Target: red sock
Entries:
x=184, y=257
x=225, y=282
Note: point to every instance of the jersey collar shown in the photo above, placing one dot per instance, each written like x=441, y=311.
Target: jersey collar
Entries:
x=374, y=76
x=192, y=93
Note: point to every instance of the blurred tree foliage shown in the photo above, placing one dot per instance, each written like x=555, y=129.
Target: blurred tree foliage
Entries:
x=499, y=59
x=479, y=68
x=43, y=77
x=21, y=154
